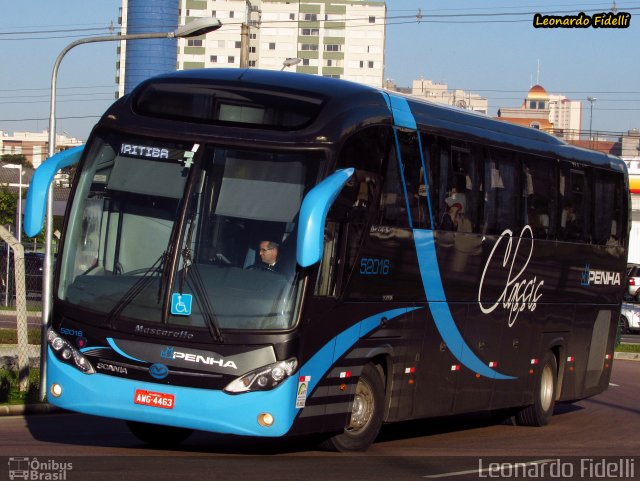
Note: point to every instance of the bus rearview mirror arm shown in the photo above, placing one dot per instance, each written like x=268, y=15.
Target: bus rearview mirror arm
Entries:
x=313, y=216
x=36, y=204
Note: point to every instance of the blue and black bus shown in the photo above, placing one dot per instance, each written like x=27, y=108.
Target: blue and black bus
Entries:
x=267, y=253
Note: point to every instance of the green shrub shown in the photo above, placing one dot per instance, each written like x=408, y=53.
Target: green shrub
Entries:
x=10, y=390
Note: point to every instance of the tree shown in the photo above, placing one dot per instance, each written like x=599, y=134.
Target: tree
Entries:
x=8, y=206
x=16, y=159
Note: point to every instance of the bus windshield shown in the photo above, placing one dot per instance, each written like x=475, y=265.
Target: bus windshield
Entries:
x=235, y=246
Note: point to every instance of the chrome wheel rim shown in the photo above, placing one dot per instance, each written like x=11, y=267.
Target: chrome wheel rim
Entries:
x=363, y=405
x=546, y=388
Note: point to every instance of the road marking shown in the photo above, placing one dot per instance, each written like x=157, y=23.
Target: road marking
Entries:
x=614, y=385
x=478, y=471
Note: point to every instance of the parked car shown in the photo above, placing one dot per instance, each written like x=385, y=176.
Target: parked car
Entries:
x=629, y=318
x=633, y=281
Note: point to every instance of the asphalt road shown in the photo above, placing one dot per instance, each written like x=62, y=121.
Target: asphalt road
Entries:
x=631, y=338
x=8, y=319
x=591, y=435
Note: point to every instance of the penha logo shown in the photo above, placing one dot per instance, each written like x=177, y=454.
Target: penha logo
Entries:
x=582, y=20
x=595, y=277
x=171, y=353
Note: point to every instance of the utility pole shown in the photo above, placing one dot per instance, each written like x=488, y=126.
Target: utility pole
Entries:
x=244, y=36
x=244, y=45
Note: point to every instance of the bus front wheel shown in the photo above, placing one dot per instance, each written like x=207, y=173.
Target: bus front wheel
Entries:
x=157, y=435
x=540, y=412
x=366, y=414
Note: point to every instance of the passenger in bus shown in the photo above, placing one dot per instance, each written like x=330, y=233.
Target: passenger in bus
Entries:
x=450, y=218
x=569, y=224
x=268, y=251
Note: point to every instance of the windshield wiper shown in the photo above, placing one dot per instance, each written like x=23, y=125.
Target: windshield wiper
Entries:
x=135, y=290
x=206, y=308
x=197, y=286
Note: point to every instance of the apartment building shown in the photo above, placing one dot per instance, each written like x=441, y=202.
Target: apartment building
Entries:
x=440, y=93
x=34, y=145
x=335, y=38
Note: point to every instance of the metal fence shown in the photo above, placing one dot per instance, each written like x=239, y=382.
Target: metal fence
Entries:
x=21, y=283
x=33, y=269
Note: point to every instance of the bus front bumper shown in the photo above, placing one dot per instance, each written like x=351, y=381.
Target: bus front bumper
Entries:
x=202, y=409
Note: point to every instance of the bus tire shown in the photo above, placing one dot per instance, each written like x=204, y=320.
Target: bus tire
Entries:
x=540, y=412
x=157, y=435
x=366, y=416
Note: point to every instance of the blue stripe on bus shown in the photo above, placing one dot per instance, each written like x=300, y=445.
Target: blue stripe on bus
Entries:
x=426, y=182
x=401, y=111
x=434, y=290
x=115, y=347
x=209, y=410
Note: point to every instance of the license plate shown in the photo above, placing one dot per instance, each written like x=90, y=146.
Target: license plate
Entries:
x=154, y=399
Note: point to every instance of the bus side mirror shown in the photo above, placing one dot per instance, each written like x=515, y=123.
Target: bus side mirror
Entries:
x=313, y=216
x=36, y=204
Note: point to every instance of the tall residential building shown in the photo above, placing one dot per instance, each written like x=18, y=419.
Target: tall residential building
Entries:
x=337, y=38
x=440, y=93
x=566, y=117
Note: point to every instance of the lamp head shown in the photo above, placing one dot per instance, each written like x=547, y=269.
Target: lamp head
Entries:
x=199, y=26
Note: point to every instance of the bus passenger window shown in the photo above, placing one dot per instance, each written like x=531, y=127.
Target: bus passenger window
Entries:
x=539, y=205
x=328, y=270
x=501, y=204
x=414, y=179
x=608, y=215
x=393, y=207
x=575, y=195
x=460, y=188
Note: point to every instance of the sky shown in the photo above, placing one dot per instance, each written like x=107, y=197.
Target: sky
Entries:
x=489, y=47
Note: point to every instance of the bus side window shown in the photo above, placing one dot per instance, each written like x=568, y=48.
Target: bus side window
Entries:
x=414, y=179
x=502, y=195
x=575, y=215
x=608, y=217
x=326, y=283
x=354, y=209
x=539, y=196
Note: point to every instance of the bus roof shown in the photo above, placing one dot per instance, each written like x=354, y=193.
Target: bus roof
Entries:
x=431, y=116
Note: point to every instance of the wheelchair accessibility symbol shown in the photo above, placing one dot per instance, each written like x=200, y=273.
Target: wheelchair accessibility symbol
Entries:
x=181, y=304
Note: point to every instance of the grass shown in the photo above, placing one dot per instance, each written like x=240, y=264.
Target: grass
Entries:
x=10, y=336
x=634, y=348
x=9, y=389
x=33, y=308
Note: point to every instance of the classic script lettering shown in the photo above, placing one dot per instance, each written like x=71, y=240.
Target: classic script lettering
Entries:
x=519, y=293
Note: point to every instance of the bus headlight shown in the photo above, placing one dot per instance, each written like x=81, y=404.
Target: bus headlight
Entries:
x=264, y=378
x=67, y=353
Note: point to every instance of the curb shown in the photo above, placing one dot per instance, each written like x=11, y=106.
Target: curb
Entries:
x=627, y=356
x=27, y=409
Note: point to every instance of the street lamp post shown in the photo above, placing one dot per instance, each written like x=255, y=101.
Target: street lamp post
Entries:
x=591, y=101
x=197, y=27
x=19, y=223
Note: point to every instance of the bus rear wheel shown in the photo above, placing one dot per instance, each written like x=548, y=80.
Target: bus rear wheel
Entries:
x=366, y=414
x=158, y=436
x=540, y=412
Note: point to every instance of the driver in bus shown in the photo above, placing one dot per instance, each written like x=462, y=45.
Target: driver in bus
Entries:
x=268, y=251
